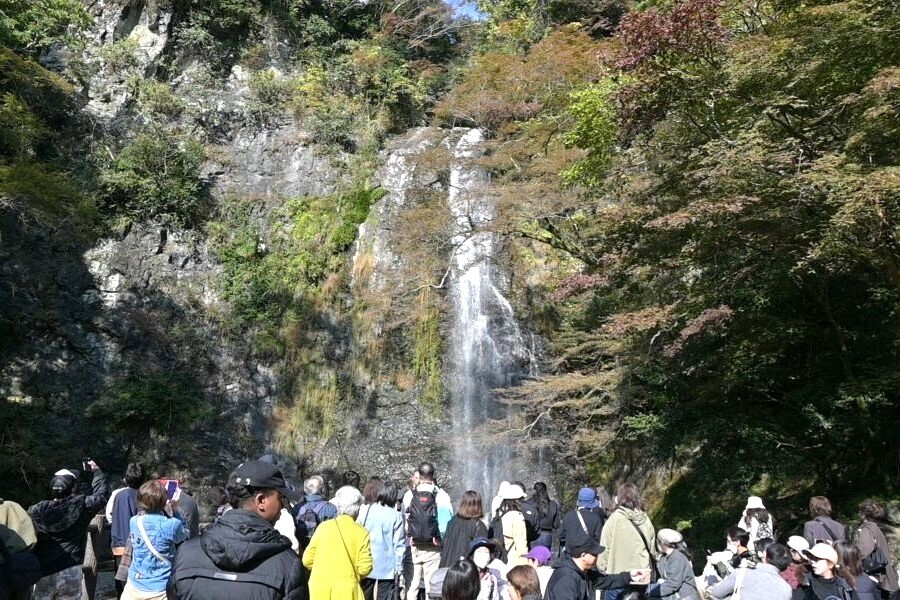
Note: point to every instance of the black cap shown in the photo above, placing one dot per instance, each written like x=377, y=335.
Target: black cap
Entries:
x=262, y=475
x=480, y=542
x=584, y=545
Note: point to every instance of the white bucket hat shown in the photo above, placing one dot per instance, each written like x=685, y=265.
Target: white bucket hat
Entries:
x=754, y=502
x=510, y=491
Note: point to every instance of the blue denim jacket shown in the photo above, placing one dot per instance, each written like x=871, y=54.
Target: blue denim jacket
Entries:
x=387, y=539
x=147, y=573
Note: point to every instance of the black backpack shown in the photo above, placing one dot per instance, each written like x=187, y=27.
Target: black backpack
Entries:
x=421, y=520
x=495, y=532
x=532, y=521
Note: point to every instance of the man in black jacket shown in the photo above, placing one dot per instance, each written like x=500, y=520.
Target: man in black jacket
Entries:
x=61, y=525
x=241, y=555
x=586, y=519
x=575, y=578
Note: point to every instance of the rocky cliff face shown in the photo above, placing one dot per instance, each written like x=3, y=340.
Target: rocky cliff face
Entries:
x=140, y=313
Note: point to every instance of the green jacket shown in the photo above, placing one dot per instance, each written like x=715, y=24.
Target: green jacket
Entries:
x=623, y=548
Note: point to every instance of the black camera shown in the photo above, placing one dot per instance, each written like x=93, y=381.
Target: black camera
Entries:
x=86, y=464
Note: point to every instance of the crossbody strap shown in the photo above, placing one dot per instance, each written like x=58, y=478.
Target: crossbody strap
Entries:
x=581, y=520
x=827, y=528
x=146, y=538
x=646, y=545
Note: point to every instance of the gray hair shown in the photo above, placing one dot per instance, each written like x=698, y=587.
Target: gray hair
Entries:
x=314, y=485
x=348, y=499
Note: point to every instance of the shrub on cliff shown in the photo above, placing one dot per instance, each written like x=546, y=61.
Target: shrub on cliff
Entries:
x=155, y=176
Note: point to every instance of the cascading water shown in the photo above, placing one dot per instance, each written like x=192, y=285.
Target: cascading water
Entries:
x=487, y=347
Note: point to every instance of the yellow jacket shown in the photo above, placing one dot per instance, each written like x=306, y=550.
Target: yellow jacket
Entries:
x=338, y=556
x=515, y=537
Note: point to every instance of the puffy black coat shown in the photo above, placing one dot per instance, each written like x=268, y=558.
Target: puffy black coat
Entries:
x=568, y=582
x=61, y=526
x=239, y=556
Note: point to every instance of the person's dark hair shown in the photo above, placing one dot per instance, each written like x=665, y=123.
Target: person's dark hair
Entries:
x=541, y=497
x=134, y=475
x=737, y=533
x=761, y=544
x=151, y=496
x=389, y=493
x=351, y=478
x=760, y=514
x=239, y=494
x=372, y=490
x=778, y=555
x=509, y=506
x=820, y=506
x=461, y=582
x=524, y=579
x=470, y=506
x=870, y=510
x=628, y=497
x=426, y=472
x=849, y=560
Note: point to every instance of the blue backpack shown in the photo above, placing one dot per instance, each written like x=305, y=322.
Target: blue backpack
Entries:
x=308, y=517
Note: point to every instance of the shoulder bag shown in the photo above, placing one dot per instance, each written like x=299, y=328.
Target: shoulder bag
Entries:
x=654, y=570
x=146, y=538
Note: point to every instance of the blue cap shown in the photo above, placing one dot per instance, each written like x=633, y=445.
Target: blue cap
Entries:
x=587, y=498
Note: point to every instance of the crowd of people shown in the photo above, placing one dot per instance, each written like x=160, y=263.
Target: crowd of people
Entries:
x=386, y=541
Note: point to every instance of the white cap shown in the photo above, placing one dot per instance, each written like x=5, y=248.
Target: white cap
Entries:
x=798, y=543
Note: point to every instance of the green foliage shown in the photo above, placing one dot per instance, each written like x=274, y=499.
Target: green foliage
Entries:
x=156, y=176
x=266, y=279
x=33, y=25
x=735, y=226
x=427, y=350
x=269, y=94
x=596, y=130
x=501, y=88
x=156, y=98
x=121, y=54
x=47, y=95
x=162, y=403
x=281, y=284
x=22, y=130
x=46, y=193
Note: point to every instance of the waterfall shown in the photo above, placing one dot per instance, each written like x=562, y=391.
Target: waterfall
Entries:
x=487, y=348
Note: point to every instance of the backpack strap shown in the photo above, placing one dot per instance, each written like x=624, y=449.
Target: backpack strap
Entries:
x=146, y=538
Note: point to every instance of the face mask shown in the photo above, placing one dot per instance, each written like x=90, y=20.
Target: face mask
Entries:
x=481, y=559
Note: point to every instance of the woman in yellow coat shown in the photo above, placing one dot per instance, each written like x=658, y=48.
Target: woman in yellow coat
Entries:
x=339, y=555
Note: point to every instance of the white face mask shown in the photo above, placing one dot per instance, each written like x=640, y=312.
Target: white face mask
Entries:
x=481, y=558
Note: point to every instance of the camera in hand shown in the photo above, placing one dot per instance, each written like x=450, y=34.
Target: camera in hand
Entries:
x=86, y=464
